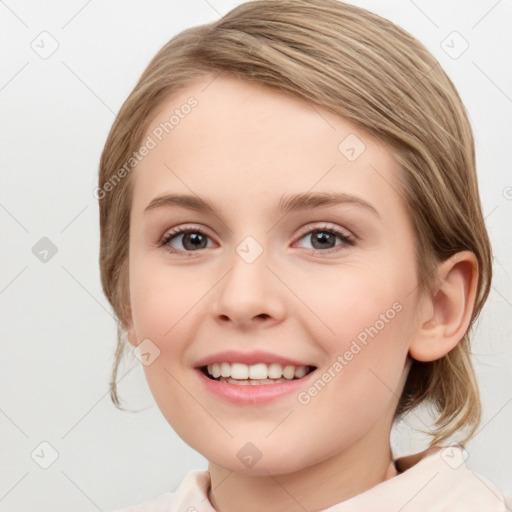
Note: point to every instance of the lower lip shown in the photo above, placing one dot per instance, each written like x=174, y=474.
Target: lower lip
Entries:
x=249, y=394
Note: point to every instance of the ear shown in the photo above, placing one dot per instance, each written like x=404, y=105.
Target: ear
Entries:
x=444, y=318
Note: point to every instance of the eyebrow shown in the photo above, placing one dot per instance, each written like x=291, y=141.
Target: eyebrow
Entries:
x=287, y=204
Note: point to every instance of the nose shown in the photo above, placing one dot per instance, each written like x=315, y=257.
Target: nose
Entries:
x=249, y=295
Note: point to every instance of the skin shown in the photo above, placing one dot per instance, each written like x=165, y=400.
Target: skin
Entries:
x=242, y=148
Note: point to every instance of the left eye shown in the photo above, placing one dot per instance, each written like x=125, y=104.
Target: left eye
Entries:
x=321, y=239
x=191, y=240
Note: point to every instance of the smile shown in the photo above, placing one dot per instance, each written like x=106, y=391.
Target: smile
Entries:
x=247, y=378
x=256, y=374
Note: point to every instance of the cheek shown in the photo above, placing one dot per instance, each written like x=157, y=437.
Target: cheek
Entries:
x=364, y=374
x=161, y=298
x=348, y=301
x=367, y=321
x=164, y=305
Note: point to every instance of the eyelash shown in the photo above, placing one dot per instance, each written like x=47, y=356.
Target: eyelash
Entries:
x=347, y=240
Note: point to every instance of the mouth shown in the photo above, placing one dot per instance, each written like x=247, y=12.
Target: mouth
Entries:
x=257, y=374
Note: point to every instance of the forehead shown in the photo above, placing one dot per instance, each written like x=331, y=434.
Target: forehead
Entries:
x=233, y=140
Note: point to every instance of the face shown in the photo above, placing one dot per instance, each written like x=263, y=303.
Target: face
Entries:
x=268, y=237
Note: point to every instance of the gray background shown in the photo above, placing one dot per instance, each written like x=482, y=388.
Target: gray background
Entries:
x=57, y=331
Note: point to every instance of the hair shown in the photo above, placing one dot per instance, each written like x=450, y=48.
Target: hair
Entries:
x=370, y=72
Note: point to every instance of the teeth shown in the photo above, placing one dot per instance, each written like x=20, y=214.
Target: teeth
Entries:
x=289, y=372
x=215, y=370
x=256, y=372
x=275, y=371
x=300, y=371
x=225, y=370
x=239, y=371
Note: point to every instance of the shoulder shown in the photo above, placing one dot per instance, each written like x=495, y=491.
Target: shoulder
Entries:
x=191, y=495
x=444, y=479
x=435, y=480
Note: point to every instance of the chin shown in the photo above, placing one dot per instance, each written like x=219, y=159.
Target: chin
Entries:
x=261, y=468
x=250, y=461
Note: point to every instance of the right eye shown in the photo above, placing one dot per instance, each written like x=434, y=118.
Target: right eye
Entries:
x=185, y=240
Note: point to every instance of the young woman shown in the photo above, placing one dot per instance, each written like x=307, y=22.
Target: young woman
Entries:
x=292, y=239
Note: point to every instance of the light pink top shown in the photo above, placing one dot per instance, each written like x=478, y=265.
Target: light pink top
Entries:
x=436, y=480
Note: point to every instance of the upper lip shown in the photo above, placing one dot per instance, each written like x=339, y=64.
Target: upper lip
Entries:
x=248, y=358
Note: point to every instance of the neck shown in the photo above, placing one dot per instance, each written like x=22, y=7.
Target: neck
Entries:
x=334, y=480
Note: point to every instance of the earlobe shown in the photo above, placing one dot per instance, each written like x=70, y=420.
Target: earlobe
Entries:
x=446, y=316
x=129, y=332
x=131, y=336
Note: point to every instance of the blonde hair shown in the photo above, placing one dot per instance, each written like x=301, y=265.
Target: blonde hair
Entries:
x=372, y=73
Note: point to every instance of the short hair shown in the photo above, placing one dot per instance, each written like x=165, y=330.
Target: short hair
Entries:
x=374, y=74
